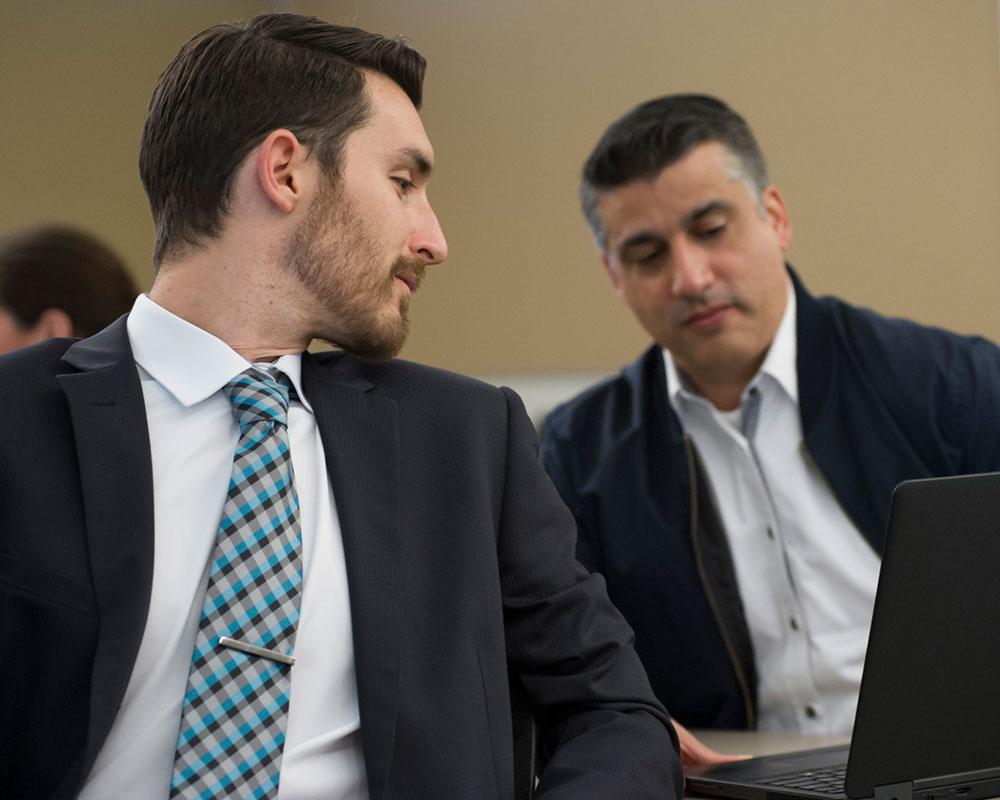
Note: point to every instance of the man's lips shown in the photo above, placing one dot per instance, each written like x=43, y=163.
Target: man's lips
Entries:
x=708, y=317
x=411, y=279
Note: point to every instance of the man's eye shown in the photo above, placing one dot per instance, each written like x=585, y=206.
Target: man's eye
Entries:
x=644, y=258
x=711, y=231
x=403, y=183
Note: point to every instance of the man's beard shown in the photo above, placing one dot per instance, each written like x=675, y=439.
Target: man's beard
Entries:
x=334, y=256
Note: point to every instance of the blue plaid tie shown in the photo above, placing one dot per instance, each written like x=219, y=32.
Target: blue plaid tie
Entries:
x=233, y=720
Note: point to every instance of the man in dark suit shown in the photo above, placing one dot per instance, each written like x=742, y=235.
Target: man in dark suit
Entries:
x=389, y=549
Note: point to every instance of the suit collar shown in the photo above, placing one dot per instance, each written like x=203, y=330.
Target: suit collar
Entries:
x=333, y=368
x=108, y=348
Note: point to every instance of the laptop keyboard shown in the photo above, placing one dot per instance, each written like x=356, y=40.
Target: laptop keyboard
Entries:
x=829, y=780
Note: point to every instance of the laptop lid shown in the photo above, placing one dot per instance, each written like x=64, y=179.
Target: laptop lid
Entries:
x=928, y=717
x=929, y=706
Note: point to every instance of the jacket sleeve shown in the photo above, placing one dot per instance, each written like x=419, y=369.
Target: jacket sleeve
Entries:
x=603, y=732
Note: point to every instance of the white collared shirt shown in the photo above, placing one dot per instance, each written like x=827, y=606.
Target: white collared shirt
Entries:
x=806, y=575
x=193, y=437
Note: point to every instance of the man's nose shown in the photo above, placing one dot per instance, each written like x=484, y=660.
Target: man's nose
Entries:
x=428, y=242
x=690, y=271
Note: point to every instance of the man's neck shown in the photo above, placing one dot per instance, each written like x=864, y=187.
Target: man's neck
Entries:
x=725, y=395
x=721, y=387
x=235, y=300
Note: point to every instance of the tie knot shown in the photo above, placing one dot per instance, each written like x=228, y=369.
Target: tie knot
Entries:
x=259, y=394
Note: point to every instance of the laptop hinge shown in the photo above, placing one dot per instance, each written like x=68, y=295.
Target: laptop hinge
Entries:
x=895, y=791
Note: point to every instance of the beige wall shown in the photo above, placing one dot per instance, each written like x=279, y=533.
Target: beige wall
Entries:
x=881, y=121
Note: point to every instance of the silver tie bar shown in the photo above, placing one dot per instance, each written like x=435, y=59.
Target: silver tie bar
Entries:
x=233, y=644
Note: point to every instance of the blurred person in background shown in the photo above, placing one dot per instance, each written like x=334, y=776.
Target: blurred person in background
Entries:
x=59, y=281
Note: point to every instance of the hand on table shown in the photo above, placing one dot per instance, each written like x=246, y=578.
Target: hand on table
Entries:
x=696, y=754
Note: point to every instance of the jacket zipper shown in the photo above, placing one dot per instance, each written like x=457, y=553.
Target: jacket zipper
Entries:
x=737, y=668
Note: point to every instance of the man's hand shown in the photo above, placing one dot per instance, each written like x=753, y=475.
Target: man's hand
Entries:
x=696, y=754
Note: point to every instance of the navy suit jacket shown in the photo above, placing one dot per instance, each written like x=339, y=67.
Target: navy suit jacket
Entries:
x=460, y=560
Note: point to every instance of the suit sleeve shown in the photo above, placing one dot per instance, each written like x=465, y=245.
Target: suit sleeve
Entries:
x=556, y=457
x=603, y=733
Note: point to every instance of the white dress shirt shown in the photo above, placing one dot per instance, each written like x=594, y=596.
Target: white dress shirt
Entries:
x=193, y=438
x=806, y=575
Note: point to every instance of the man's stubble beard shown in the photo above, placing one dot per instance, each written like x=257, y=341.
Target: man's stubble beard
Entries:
x=333, y=255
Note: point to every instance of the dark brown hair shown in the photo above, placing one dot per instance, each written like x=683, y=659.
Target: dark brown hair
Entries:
x=60, y=267
x=231, y=85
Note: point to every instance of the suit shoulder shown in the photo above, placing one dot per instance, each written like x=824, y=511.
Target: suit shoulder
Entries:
x=401, y=371
x=411, y=382
x=31, y=399
x=37, y=362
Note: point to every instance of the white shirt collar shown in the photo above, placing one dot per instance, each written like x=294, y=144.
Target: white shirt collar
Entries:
x=187, y=361
x=779, y=363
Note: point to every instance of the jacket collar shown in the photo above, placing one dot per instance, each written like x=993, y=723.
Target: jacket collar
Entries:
x=839, y=416
x=815, y=360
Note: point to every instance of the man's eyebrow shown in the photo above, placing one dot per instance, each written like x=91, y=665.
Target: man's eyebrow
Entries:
x=419, y=160
x=711, y=207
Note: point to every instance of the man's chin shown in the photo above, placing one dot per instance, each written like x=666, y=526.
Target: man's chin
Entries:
x=370, y=346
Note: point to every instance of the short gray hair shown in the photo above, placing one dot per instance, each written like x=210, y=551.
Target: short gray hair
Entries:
x=658, y=133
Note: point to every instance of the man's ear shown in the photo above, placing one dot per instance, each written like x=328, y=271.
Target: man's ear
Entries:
x=777, y=215
x=282, y=169
x=51, y=322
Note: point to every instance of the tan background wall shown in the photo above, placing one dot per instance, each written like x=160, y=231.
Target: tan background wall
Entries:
x=881, y=121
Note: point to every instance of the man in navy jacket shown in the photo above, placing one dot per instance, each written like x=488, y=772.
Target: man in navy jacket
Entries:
x=732, y=484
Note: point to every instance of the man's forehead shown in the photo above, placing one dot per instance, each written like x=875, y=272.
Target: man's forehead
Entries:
x=393, y=125
x=701, y=177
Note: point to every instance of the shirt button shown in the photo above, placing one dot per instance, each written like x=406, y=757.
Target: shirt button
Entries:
x=770, y=533
x=811, y=712
x=794, y=623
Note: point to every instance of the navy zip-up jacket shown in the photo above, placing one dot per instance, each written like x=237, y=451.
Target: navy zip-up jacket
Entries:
x=881, y=400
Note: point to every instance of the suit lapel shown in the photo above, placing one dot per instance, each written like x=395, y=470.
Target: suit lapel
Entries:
x=359, y=429
x=112, y=442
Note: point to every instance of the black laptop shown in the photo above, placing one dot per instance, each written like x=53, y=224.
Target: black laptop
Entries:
x=928, y=719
